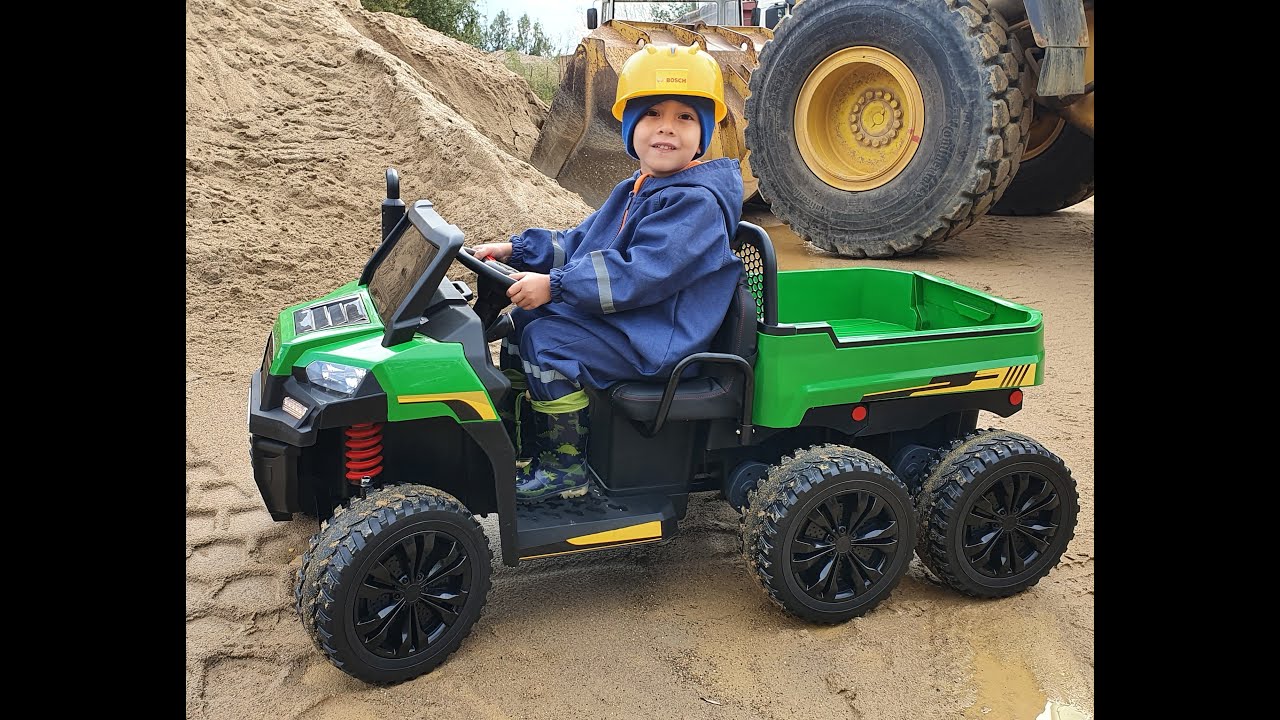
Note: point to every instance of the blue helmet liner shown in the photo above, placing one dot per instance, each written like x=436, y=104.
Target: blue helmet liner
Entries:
x=636, y=107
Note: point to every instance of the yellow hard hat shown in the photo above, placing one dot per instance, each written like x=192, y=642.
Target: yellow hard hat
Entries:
x=670, y=70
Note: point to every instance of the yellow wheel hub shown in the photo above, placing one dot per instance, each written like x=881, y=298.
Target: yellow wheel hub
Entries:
x=858, y=118
x=1045, y=128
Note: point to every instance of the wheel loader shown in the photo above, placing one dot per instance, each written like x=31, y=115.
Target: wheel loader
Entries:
x=873, y=128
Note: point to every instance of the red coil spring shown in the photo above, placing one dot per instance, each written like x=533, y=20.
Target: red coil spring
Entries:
x=364, y=451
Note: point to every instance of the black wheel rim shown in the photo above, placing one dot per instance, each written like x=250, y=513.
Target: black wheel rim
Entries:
x=844, y=546
x=1012, y=524
x=412, y=595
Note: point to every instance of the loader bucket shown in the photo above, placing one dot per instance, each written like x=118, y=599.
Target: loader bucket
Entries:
x=580, y=144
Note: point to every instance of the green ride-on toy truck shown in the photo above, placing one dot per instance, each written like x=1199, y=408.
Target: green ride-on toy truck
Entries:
x=836, y=410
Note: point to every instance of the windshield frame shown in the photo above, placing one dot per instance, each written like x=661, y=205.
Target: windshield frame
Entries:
x=724, y=8
x=402, y=322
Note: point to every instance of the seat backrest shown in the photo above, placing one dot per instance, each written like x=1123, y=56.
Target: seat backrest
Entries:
x=755, y=297
x=760, y=266
x=717, y=391
x=737, y=334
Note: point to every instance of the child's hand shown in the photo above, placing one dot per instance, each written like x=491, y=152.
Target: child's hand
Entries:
x=530, y=290
x=498, y=251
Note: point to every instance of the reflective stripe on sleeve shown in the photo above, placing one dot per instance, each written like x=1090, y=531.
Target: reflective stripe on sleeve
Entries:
x=557, y=259
x=602, y=279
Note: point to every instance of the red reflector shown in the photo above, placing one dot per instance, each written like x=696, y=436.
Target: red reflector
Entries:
x=859, y=413
x=1015, y=397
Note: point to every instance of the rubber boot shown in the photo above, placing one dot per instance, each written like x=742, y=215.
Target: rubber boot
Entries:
x=560, y=467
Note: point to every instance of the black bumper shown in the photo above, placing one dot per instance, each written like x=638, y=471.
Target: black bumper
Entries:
x=277, y=424
x=277, y=439
x=275, y=470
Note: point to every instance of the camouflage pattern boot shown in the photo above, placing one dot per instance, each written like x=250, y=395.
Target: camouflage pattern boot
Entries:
x=560, y=467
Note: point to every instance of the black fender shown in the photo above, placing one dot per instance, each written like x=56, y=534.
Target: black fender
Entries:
x=1059, y=27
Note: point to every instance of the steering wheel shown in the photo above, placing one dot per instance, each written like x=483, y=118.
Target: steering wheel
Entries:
x=492, y=269
x=491, y=294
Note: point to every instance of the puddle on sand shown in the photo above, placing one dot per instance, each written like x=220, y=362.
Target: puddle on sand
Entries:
x=1060, y=711
x=1008, y=691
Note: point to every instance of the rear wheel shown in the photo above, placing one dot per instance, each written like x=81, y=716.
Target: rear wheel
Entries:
x=881, y=127
x=392, y=585
x=997, y=512
x=828, y=534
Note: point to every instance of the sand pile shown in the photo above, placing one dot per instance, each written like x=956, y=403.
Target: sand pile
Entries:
x=294, y=111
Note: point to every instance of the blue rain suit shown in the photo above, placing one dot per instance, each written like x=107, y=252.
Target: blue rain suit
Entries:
x=641, y=283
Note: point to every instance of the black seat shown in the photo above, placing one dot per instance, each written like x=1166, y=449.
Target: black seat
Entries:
x=725, y=380
x=715, y=393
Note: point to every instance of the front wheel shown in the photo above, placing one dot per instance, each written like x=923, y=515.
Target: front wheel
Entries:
x=392, y=584
x=828, y=534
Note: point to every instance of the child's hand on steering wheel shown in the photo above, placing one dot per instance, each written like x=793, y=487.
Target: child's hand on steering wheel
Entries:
x=497, y=251
x=530, y=290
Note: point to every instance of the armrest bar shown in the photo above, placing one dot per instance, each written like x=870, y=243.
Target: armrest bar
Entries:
x=749, y=388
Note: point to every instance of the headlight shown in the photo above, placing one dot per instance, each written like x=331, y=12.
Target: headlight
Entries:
x=339, y=378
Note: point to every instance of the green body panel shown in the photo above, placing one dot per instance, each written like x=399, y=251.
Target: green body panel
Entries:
x=423, y=366
x=418, y=367
x=289, y=347
x=911, y=317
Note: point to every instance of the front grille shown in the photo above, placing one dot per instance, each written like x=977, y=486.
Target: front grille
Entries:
x=347, y=311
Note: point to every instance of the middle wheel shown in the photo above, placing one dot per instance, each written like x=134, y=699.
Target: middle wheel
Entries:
x=830, y=533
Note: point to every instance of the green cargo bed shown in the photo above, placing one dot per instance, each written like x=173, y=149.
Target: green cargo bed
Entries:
x=847, y=335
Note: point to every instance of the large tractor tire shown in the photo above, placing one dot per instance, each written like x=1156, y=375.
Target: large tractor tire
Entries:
x=392, y=584
x=881, y=127
x=1056, y=170
x=828, y=533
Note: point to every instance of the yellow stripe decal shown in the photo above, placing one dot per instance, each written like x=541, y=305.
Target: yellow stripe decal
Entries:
x=652, y=529
x=477, y=399
x=982, y=380
x=588, y=549
x=914, y=387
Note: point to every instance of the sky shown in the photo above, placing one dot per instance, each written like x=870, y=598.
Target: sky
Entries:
x=563, y=21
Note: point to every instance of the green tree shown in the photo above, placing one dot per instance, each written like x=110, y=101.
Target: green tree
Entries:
x=522, y=39
x=391, y=6
x=460, y=19
x=541, y=44
x=498, y=36
x=472, y=30
x=456, y=18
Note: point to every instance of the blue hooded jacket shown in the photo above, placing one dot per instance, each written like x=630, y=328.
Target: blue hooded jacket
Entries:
x=652, y=266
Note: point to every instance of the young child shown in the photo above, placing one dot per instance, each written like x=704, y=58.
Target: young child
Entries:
x=643, y=281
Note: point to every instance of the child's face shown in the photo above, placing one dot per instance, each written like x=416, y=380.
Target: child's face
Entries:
x=667, y=137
